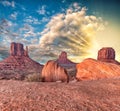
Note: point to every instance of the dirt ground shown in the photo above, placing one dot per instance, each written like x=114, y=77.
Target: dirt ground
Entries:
x=97, y=95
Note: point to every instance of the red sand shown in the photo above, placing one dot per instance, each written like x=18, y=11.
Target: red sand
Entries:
x=97, y=95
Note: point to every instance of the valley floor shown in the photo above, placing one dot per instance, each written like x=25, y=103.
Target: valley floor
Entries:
x=98, y=95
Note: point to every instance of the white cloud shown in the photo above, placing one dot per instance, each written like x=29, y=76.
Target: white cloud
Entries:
x=76, y=6
x=73, y=31
x=4, y=23
x=29, y=33
x=26, y=27
x=63, y=1
x=25, y=34
x=32, y=20
x=42, y=10
x=14, y=15
x=45, y=19
x=7, y=3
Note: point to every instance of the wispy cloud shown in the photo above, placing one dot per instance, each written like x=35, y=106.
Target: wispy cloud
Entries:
x=26, y=27
x=63, y=1
x=32, y=20
x=7, y=3
x=14, y=15
x=45, y=19
x=42, y=10
x=25, y=34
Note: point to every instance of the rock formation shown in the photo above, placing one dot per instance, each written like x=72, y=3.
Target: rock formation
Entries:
x=18, y=63
x=107, y=54
x=91, y=69
x=67, y=64
x=64, y=60
x=53, y=72
x=17, y=49
x=104, y=67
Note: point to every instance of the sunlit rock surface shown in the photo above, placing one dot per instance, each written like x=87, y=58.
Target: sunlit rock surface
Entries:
x=53, y=72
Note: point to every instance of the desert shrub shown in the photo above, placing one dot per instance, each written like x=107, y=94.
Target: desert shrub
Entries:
x=33, y=78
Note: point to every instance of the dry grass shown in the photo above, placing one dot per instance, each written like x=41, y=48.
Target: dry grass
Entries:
x=35, y=77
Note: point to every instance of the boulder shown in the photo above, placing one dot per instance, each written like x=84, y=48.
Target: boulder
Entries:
x=107, y=54
x=91, y=69
x=52, y=72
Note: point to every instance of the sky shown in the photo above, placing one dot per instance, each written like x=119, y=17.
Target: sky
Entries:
x=47, y=27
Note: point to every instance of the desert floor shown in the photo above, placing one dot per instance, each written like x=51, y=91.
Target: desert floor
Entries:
x=97, y=95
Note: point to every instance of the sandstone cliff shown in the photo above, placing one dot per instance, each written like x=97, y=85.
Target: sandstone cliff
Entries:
x=18, y=64
x=107, y=54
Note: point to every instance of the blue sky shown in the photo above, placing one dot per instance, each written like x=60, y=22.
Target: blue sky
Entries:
x=48, y=26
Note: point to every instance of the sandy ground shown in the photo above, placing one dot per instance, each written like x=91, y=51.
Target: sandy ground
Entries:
x=98, y=95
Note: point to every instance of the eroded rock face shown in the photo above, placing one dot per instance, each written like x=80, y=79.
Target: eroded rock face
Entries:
x=107, y=54
x=91, y=69
x=67, y=64
x=17, y=49
x=53, y=72
x=18, y=63
x=63, y=59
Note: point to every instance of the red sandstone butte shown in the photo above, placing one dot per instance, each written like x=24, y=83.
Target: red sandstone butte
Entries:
x=62, y=60
x=107, y=54
x=52, y=72
x=18, y=62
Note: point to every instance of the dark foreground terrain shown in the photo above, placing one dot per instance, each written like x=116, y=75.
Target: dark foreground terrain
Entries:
x=98, y=95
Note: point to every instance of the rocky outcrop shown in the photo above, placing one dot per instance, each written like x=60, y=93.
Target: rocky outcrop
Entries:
x=53, y=72
x=18, y=63
x=67, y=64
x=64, y=60
x=91, y=69
x=104, y=67
x=17, y=49
x=107, y=54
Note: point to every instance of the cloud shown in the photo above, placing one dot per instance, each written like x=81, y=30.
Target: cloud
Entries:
x=73, y=32
x=28, y=35
x=63, y=1
x=3, y=52
x=42, y=11
x=32, y=20
x=5, y=23
x=7, y=3
x=14, y=15
x=26, y=27
x=45, y=19
x=5, y=26
x=25, y=34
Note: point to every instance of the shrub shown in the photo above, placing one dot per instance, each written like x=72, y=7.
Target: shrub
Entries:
x=33, y=78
